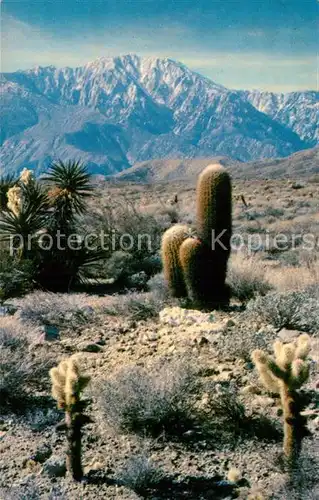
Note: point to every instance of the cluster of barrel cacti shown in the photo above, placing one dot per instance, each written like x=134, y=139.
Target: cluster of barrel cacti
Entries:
x=67, y=385
x=284, y=375
x=195, y=263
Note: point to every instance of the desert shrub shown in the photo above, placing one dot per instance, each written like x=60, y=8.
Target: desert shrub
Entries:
x=229, y=420
x=58, y=309
x=133, y=239
x=159, y=288
x=244, y=341
x=139, y=474
x=16, y=276
x=19, y=369
x=149, y=401
x=39, y=419
x=136, y=306
x=297, y=310
x=247, y=277
x=227, y=411
x=28, y=489
x=274, y=212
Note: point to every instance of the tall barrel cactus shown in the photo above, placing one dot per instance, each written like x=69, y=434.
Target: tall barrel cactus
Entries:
x=214, y=210
x=201, y=261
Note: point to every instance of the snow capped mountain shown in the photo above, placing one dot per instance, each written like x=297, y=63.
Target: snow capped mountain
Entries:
x=298, y=111
x=114, y=112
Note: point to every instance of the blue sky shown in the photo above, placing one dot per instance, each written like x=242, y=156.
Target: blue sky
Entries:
x=266, y=44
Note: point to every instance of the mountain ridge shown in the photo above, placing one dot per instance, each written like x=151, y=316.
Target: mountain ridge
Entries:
x=114, y=112
x=299, y=165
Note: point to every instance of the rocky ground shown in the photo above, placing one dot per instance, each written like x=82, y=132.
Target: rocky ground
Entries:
x=147, y=355
x=195, y=463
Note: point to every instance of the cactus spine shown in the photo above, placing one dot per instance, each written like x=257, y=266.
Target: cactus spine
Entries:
x=171, y=242
x=284, y=375
x=67, y=385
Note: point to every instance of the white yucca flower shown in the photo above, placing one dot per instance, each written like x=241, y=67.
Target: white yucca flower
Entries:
x=15, y=200
x=26, y=176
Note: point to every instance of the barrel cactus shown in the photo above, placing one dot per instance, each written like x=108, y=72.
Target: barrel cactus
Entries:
x=197, y=266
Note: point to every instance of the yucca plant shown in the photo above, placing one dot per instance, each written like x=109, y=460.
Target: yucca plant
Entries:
x=70, y=186
x=38, y=219
x=6, y=183
x=24, y=217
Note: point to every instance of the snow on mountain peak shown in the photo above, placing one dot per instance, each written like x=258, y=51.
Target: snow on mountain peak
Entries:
x=117, y=110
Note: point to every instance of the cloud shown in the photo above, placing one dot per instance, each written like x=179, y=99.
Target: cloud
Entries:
x=24, y=46
x=246, y=60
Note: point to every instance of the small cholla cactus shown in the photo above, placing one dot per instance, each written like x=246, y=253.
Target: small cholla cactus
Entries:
x=67, y=385
x=284, y=375
x=26, y=176
x=15, y=200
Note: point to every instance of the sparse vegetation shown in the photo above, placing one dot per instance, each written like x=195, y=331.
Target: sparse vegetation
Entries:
x=16, y=276
x=247, y=277
x=46, y=308
x=140, y=474
x=296, y=310
x=186, y=391
x=149, y=401
x=137, y=306
x=20, y=372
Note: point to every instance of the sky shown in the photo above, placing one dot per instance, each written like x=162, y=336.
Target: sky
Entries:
x=244, y=44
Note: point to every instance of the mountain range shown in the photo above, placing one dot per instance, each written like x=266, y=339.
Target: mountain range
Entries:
x=303, y=164
x=115, y=112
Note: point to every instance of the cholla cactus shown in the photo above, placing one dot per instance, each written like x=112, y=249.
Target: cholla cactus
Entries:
x=26, y=176
x=15, y=200
x=284, y=375
x=67, y=385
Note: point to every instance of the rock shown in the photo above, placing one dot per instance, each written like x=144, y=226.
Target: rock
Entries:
x=42, y=453
x=229, y=323
x=89, y=347
x=148, y=337
x=87, y=311
x=264, y=401
x=250, y=389
x=54, y=466
x=95, y=465
x=176, y=316
x=287, y=335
